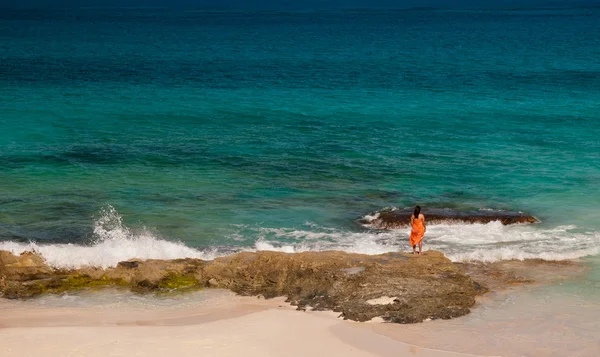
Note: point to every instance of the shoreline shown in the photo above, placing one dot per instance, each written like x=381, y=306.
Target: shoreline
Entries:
x=254, y=327
x=532, y=321
x=335, y=281
x=512, y=323
x=519, y=316
x=360, y=287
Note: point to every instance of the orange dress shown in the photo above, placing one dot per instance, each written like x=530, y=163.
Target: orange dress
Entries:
x=418, y=231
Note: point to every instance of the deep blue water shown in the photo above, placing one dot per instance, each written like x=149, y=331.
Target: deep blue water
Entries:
x=221, y=129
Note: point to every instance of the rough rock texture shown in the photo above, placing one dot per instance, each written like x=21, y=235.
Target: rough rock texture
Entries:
x=27, y=266
x=426, y=286
x=399, y=218
x=423, y=287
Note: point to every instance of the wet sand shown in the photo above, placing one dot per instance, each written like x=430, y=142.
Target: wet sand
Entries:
x=537, y=320
x=533, y=323
x=233, y=326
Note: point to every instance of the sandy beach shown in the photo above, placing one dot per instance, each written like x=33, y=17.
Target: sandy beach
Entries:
x=531, y=308
x=218, y=323
x=225, y=326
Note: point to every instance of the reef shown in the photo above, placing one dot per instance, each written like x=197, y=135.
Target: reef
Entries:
x=400, y=218
x=397, y=287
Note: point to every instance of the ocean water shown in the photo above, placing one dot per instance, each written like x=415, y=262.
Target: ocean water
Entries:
x=168, y=133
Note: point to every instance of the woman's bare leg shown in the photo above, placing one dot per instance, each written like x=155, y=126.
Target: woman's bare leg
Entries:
x=414, y=247
x=420, y=247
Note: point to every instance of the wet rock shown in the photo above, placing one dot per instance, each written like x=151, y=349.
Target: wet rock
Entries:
x=129, y=264
x=427, y=286
x=26, y=266
x=400, y=218
x=394, y=287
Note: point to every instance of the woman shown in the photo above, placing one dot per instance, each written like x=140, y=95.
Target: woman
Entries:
x=417, y=222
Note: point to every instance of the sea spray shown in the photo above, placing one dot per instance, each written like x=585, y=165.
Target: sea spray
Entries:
x=114, y=242
x=460, y=242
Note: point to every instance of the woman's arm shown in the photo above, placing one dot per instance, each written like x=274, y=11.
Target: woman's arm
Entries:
x=424, y=226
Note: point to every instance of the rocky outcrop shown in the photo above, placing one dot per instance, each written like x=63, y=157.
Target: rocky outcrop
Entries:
x=397, y=287
x=423, y=287
x=27, y=266
x=400, y=218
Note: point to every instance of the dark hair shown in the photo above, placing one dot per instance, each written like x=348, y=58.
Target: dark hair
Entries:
x=417, y=211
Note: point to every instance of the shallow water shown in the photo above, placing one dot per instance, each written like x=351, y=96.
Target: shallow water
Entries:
x=547, y=321
x=120, y=299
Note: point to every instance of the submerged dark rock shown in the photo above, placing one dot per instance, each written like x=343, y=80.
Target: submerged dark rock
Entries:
x=400, y=218
x=421, y=287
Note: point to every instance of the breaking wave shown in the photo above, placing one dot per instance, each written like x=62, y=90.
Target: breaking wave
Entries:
x=460, y=242
x=114, y=242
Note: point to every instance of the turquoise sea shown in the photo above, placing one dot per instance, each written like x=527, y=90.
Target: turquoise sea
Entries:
x=167, y=133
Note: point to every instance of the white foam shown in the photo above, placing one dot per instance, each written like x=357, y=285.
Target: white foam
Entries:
x=264, y=246
x=107, y=253
x=460, y=242
x=368, y=218
x=114, y=243
x=493, y=255
x=490, y=242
